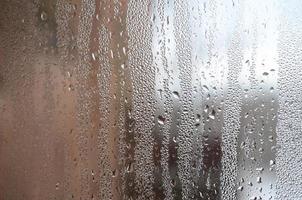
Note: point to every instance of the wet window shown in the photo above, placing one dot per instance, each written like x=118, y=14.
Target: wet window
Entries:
x=152, y=99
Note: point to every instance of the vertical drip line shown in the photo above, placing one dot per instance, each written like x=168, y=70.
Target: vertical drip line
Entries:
x=96, y=173
x=231, y=128
x=83, y=96
x=142, y=74
x=232, y=104
x=110, y=109
x=104, y=79
x=211, y=83
x=159, y=187
x=126, y=121
x=289, y=141
x=172, y=94
x=120, y=135
x=186, y=124
x=198, y=98
x=170, y=178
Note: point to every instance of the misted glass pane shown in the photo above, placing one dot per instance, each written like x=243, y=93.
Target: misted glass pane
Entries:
x=150, y=99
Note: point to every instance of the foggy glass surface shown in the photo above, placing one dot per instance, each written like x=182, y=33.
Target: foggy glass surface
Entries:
x=150, y=99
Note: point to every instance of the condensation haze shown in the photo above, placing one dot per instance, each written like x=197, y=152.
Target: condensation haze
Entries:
x=150, y=99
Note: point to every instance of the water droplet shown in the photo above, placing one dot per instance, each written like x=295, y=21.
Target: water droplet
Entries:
x=206, y=108
x=57, y=186
x=93, y=56
x=175, y=94
x=161, y=120
x=114, y=173
x=198, y=117
x=212, y=114
x=70, y=87
x=260, y=169
x=246, y=115
x=43, y=16
x=205, y=88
